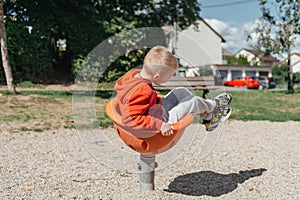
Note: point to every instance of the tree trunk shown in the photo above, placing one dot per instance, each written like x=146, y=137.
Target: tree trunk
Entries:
x=4, y=53
x=290, y=72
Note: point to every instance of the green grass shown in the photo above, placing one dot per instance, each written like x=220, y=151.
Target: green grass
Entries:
x=30, y=84
x=268, y=105
x=46, y=93
x=40, y=110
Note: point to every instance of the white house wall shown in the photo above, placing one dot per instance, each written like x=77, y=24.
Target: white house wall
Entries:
x=296, y=67
x=295, y=62
x=199, y=48
x=243, y=71
x=248, y=55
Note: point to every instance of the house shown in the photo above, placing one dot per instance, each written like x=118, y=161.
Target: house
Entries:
x=199, y=47
x=255, y=59
x=225, y=53
x=295, y=62
x=227, y=72
x=196, y=46
x=258, y=65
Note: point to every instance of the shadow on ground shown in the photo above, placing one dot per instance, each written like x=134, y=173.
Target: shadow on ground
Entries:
x=211, y=183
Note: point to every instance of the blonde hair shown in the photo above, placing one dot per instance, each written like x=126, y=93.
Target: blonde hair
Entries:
x=159, y=59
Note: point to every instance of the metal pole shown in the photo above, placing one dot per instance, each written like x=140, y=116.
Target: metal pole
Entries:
x=147, y=167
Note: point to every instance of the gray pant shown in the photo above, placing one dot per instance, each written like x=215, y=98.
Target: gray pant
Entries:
x=181, y=101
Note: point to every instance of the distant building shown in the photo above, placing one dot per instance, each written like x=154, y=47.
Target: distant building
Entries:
x=225, y=53
x=199, y=46
x=227, y=72
x=255, y=59
x=295, y=62
x=258, y=65
x=196, y=46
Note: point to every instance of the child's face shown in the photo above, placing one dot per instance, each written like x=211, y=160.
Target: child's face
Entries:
x=163, y=77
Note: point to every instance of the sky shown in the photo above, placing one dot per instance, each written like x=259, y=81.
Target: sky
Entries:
x=232, y=19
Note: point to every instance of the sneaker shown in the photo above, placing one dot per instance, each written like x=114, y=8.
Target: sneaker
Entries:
x=220, y=114
x=223, y=99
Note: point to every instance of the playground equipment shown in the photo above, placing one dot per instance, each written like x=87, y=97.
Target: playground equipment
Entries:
x=148, y=145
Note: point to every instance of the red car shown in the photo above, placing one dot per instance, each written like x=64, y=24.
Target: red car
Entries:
x=243, y=81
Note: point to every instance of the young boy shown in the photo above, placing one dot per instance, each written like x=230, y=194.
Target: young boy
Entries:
x=143, y=110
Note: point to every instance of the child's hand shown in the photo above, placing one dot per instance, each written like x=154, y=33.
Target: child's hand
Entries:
x=166, y=129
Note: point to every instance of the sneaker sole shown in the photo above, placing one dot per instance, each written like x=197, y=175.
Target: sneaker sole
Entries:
x=227, y=116
x=230, y=98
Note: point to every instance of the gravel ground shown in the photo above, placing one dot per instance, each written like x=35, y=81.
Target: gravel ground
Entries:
x=252, y=160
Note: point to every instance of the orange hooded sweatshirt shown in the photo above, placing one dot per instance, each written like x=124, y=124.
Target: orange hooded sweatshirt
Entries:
x=139, y=105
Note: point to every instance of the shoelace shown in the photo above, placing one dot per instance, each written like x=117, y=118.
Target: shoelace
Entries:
x=224, y=100
x=221, y=111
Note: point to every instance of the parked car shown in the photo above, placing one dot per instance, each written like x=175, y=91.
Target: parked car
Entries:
x=266, y=82
x=249, y=82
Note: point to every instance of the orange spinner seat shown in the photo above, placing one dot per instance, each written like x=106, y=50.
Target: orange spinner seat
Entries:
x=143, y=142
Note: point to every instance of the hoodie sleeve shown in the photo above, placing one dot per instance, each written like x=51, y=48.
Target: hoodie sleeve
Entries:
x=142, y=110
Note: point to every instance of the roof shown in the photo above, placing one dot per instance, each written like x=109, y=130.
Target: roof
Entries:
x=168, y=29
x=249, y=50
x=263, y=58
x=297, y=54
x=225, y=52
x=269, y=58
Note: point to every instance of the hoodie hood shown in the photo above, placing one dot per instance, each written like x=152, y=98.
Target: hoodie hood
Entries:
x=128, y=83
x=139, y=105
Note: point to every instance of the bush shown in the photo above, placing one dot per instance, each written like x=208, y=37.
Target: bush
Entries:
x=280, y=73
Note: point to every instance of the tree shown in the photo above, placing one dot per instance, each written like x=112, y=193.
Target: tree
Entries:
x=4, y=53
x=127, y=15
x=232, y=60
x=278, y=27
x=34, y=28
